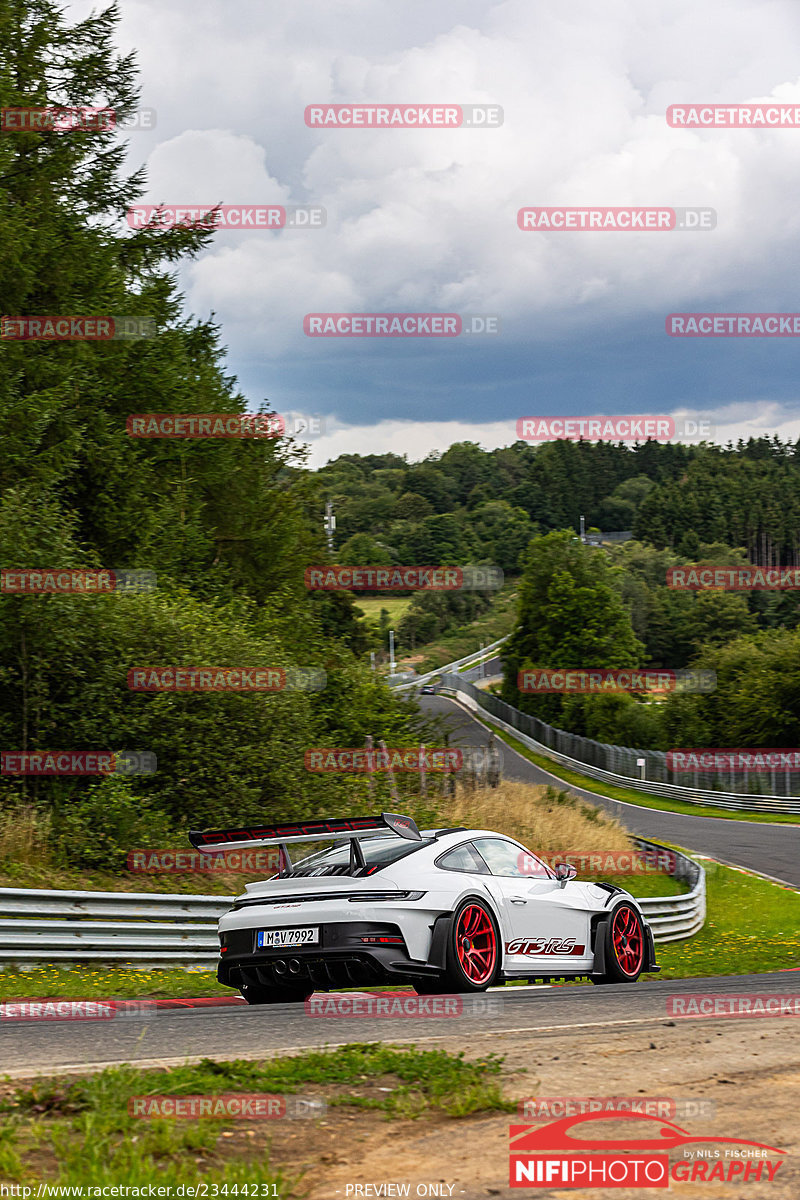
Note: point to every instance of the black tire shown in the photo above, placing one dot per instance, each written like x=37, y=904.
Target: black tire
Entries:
x=256, y=993
x=626, y=946
x=488, y=953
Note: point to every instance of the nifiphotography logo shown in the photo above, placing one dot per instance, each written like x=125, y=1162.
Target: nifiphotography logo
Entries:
x=653, y=1153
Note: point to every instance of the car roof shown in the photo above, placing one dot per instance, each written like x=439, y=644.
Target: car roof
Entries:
x=467, y=835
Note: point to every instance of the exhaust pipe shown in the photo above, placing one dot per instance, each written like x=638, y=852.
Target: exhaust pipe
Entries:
x=279, y=966
x=294, y=966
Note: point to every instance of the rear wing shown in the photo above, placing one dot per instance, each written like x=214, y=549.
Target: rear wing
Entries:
x=212, y=841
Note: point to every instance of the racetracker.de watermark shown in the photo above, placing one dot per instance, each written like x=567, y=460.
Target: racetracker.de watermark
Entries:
x=42, y=581
x=226, y=679
x=628, y=219
x=697, y=577
x=66, y=119
x=403, y=116
x=355, y=759
x=237, y=1106
x=179, y=862
x=75, y=1010
x=589, y=680
x=734, y=1004
x=734, y=116
x=402, y=1004
x=400, y=325
x=403, y=579
x=552, y=1108
x=225, y=425
x=604, y=862
x=611, y=429
x=205, y=425
x=733, y=760
x=764, y=324
x=76, y=329
x=77, y=762
x=227, y=216
x=57, y=118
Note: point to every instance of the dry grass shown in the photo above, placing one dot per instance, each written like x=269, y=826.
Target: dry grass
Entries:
x=546, y=819
x=552, y=821
x=25, y=836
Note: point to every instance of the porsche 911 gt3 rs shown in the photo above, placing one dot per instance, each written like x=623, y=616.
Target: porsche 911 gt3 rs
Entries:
x=445, y=910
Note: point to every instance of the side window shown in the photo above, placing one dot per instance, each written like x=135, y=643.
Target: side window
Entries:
x=463, y=858
x=504, y=858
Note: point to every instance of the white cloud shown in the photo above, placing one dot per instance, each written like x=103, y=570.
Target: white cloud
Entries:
x=719, y=424
x=426, y=220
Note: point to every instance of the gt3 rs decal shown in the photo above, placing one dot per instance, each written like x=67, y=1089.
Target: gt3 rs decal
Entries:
x=542, y=945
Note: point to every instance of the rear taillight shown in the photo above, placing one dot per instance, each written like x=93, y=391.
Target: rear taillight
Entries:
x=363, y=897
x=383, y=941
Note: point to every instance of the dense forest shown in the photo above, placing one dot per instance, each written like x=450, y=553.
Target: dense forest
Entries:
x=582, y=606
x=486, y=504
x=227, y=526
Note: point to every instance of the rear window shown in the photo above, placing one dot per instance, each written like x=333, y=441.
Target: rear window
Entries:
x=378, y=852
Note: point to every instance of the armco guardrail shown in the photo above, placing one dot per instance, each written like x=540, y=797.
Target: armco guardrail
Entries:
x=467, y=660
x=158, y=930
x=143, y=928
x=551, y=742
x=676, y=917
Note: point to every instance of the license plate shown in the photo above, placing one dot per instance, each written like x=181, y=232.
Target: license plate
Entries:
x=282, y=938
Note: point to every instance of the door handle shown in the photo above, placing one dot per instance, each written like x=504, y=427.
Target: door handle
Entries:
x=518, y=900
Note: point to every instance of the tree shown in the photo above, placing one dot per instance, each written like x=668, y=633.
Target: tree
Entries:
x=503, y=532
x=227, y=526
x=361, y=550
x=412, y=507
x=230, y=513
x=570, y=614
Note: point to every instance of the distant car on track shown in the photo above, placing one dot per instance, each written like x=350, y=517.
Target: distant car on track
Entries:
x=427, y=689
x=445, y=910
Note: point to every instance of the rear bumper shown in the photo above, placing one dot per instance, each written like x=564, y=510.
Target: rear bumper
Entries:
x=340, y=959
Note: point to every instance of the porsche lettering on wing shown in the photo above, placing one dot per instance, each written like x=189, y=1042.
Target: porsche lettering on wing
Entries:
x=543, y=946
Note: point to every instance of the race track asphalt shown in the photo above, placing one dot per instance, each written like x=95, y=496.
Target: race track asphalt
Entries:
x=169, y=1037
x=772, y=850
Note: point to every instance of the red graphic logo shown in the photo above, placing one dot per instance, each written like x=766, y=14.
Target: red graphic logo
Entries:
x=553, y=1156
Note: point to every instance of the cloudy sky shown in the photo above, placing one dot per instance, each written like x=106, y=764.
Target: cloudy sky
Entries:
x=426, y=220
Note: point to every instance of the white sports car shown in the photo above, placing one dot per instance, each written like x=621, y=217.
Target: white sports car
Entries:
x=445, y=910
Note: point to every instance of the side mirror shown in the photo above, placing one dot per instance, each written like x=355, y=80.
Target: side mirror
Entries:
x=565, y=871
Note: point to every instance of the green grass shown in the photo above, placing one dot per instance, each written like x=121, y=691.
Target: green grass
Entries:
x=120, y=983
x=643, y=886
x=78, y=1131
x=396, y=606
x=495, y=623
x=641, y=799
x=752, y=926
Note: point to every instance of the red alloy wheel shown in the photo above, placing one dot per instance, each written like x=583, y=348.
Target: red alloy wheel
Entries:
x=476, y=944
x=626, y=936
